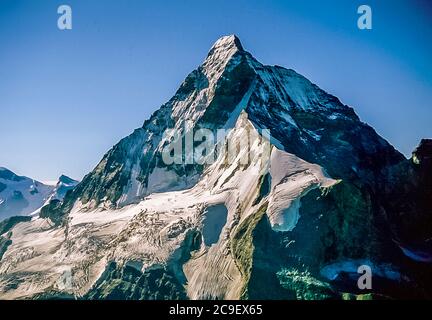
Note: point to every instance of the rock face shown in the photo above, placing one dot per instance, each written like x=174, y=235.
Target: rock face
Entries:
x=320, y=197
x=409, y=203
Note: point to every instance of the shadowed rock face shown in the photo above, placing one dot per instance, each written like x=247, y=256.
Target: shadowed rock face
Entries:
x=334, y=195
x=409, y=197
x=423, y=153
x=128, y=283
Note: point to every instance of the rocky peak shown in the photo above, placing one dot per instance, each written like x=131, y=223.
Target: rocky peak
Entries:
x=304, y=119
x=66, y=180
x=226, y=43
x=220, y=54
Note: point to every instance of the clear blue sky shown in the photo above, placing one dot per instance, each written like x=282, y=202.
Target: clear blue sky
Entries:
x=66, y=97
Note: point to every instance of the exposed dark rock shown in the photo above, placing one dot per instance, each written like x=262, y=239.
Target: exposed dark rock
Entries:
x=128, y=283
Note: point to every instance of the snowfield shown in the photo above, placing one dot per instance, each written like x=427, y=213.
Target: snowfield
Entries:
x=152, y=231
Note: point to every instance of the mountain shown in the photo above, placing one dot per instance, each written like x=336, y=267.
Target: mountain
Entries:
x=21, y=196
x=290, y=215
x=63, y=185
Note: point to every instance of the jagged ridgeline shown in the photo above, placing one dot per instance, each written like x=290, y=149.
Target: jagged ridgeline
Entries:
x=332, y=196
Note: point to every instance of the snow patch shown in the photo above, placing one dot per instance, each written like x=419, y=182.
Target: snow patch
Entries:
x=292, y=179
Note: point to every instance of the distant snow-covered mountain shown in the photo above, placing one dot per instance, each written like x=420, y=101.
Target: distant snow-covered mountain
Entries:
x=63, y=185
x=20, y=195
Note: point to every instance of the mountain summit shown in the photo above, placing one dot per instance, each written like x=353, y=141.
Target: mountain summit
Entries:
x=225, y=45
x=315, y=200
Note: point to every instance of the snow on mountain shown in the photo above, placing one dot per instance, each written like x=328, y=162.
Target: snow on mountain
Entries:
x=63, y=185
x=152, y=231
x=320, y=194
x=303, y=119
x=21, y=195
